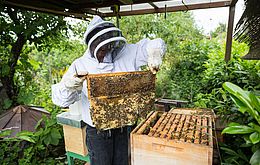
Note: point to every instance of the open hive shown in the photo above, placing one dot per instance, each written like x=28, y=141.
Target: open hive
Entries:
x=181, y=136
x=118, y=99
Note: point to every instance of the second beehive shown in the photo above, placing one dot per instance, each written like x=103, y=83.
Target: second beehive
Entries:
x=179, y=137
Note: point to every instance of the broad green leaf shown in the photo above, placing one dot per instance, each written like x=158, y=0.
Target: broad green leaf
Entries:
x=241, y=95
x=255, y=159
x=235, y=90
x=26, y=138
x=55, y=136
x=255, y=102
x=254, y=137
x=242, y=129
x=248, y=141
x=47, y=140
x=25, y=133
x=255, y=126
x=242, y=107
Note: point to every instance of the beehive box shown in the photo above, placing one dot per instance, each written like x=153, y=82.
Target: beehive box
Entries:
x=75, y=139
x=74, y=130
x=178, y=137
x=117, y=99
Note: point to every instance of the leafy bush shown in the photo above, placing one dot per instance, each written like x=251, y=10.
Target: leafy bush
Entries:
x=241, y=72
x=247, y=102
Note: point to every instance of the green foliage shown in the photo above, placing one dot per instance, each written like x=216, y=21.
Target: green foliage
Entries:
x=9, y=152
x=247, y=102
x=238, y=71
x=186, y=72
x=18, y=30
x=43, y=146
x=53, y=64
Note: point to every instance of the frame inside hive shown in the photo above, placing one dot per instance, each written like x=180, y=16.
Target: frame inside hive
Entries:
x=117, y=99
x=183, y=125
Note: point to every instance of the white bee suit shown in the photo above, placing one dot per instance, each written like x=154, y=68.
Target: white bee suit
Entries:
x=130, y=58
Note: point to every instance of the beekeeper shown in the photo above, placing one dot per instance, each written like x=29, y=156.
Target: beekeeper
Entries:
x=107, y=52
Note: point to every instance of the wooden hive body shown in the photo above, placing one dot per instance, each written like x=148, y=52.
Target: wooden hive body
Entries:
x=75, y=139
x=117, y=99
x=174, y=138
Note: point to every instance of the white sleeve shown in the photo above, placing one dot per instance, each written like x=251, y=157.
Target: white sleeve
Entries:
x=141, y=54
x=63, y=96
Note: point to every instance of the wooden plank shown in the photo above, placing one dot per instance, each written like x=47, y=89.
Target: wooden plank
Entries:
x=229, y=33
x=158, y=123
x=223, y=3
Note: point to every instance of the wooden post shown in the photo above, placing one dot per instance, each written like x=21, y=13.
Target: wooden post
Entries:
x=229, y=33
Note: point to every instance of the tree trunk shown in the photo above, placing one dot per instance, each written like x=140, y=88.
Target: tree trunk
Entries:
x=8, y=80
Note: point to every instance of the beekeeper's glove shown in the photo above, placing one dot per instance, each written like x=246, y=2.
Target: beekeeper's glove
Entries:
x=155, y=49
x=75, y=81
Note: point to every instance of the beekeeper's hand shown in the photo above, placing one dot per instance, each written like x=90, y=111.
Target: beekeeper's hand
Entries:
x=75, y=81
x=155, y=49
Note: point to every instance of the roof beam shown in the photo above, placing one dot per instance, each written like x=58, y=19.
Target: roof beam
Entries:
x=153, y=5
x=223, y=3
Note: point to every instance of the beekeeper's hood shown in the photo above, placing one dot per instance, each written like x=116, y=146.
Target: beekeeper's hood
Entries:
x=104, y=40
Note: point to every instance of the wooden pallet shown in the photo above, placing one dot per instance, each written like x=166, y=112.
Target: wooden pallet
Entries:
x=118, y=99
x=173, y=138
